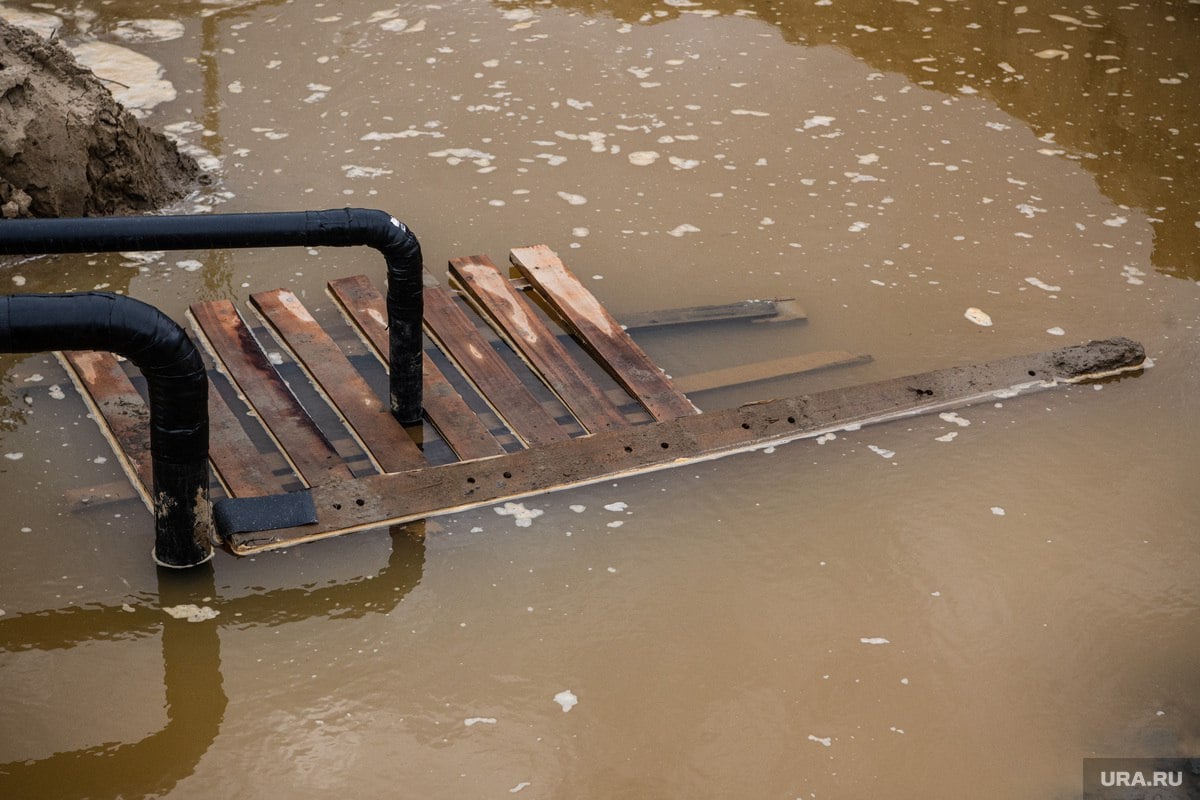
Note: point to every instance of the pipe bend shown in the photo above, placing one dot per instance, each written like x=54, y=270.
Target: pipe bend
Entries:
x=177, y=383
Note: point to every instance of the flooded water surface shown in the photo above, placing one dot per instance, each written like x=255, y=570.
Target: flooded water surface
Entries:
x=956, y=605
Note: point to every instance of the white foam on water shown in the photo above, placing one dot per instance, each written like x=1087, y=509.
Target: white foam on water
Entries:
x=469, y=721
x=572, y=199
x=881, y=451
x=818, y=121
x=1040, y=284
x=683, y=230
x=643, y=158
x=617, y=506
x=148, y=30
x=136, y=81
x=998, y=511
x=827, y=741
x=567, y=699
x=874, y=640
x=1056, y=331
x=355, y=171
x=522, y=516
x=191, y=612
x=952, y=416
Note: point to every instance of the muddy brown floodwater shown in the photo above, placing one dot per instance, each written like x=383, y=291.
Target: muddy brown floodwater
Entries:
x=964, y=605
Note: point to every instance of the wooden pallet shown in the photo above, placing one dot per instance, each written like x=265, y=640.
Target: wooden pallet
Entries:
x=298, y=406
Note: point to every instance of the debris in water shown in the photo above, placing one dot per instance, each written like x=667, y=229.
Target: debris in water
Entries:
x=1056, y=331
x=885, y=453
x=519, y=787
x=978, y=317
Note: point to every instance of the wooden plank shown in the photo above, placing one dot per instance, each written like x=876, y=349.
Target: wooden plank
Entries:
x=536, y=343
x=462, y=342
x=600, y=334
x=247, y=365
x=369, y=417
x=121, y=412
x=240, y=466
x=447, y=411
x=776, y=309
x=765, y=370
x=380, y=500
x=781, y=309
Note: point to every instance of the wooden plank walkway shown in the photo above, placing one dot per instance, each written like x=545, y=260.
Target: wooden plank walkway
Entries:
x=296, y=402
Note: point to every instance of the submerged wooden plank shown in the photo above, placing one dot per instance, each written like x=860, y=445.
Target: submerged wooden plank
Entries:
x=537, y=343
x=124, y=417
x=370, y=418
x=380, y=500
x=244, y=471
x=780, y=309
x=459, y=339
x=765, y=370
x=447, y=411
x=775, y=309
x=601, y=334
x=257, y=380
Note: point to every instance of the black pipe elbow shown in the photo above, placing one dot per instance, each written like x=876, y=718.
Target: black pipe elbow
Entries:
x=345, y=227
x=178, y=387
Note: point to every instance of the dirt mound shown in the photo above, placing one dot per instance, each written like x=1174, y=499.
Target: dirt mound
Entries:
x=67, y=148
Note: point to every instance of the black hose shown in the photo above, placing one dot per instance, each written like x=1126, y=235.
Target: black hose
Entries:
x=342, y=227
x=178, y=387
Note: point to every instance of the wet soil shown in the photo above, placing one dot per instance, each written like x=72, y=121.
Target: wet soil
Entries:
x=67, y=148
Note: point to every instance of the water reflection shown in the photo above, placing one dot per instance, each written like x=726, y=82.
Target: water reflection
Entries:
x=1113, y=86
x=195, y=699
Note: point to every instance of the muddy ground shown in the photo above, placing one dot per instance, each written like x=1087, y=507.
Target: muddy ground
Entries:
x=67, y=148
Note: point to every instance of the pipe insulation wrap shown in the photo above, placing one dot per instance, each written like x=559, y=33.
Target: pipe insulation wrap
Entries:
x=341, y=227
x=177, y=384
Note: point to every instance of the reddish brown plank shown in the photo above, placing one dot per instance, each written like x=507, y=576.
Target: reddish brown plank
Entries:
x=370, y=418
x=600, y=334
x=447, y=411
x=378, y=500
x=536, y=343
x=126, y=418
x=280, y=412
x=243, y=470
x=464, y=344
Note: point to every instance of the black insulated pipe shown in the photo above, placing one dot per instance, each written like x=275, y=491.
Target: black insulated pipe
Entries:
x=178, y=388
x=342, y=227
